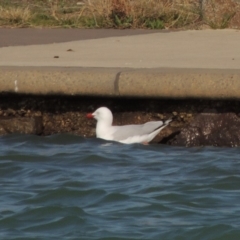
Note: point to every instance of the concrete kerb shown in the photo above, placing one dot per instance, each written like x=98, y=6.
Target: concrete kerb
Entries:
x=181, y=83
x=112, y=82
x=54, y=80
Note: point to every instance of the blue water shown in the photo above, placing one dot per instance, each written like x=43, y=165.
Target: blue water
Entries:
x=68, y=187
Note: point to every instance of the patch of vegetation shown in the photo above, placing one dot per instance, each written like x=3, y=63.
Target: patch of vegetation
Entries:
x=154, y=24
x=153, y=14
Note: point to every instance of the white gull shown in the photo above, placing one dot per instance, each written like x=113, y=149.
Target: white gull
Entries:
x=142, y=133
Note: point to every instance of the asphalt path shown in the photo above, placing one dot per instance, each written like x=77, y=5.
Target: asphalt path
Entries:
x=31, y=36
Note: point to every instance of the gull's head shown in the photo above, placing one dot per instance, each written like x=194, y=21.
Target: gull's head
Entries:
x=103, y=115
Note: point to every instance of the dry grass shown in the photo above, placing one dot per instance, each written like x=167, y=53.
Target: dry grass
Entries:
x=140, y=13
x=221, y=13
x=15, y=16
x=154, y=14
x=49, y=13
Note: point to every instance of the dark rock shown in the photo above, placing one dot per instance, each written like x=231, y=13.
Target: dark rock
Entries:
x=10, y=112
x=24, y=125
x=210, y=129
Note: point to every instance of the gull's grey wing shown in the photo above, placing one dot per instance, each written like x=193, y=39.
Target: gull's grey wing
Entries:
x=123, y=132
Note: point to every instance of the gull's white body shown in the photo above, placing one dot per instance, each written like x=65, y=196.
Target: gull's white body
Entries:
x=128, y=134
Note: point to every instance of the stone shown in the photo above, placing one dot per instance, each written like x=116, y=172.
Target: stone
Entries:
x=210, y=129
x=160, y=116
x=22, y=125
x=10, y=112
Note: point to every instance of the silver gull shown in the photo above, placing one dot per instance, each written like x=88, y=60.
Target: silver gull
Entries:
x=141, y=133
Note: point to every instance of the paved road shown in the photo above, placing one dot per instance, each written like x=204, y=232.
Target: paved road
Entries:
x=207, y=49
x=30, y=36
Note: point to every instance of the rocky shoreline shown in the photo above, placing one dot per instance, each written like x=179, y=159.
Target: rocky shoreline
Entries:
x=195, y=122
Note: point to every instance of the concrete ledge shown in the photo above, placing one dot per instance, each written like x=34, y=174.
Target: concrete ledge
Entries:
x=64, y=81
x=145, y=83
x=181, y=83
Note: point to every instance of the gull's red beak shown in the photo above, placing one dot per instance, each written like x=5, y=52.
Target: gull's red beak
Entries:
x=89, y=115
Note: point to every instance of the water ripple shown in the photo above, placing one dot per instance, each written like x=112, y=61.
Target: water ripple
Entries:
x=69, y=187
